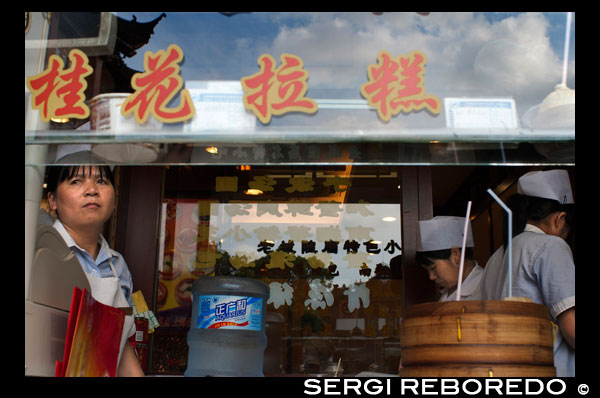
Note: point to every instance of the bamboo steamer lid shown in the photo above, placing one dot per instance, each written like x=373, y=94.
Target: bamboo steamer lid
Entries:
x=482, y=370
x=469, y=337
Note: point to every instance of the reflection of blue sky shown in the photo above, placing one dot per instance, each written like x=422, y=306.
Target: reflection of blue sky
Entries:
x=483, y=54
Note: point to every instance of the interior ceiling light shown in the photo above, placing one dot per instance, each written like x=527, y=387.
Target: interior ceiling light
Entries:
x=60, y=120
x=253, y=191
x=212, y=149
x=389, y=219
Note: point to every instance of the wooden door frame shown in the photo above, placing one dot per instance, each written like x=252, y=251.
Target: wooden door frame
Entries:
x=417, y=204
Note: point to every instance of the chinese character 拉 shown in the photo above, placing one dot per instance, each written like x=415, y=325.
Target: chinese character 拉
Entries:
x=59, y=93
x=156, y=86
x=275, y=91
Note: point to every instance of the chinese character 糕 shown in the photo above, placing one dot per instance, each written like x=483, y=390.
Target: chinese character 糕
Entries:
x=397, y=84
x=59, y=93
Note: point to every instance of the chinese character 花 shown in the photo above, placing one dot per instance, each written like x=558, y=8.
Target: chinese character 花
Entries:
x=156, y=86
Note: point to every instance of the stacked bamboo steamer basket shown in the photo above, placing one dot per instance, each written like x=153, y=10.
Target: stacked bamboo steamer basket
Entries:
x=477, y=339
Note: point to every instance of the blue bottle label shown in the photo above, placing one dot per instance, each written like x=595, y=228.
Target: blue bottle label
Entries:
x=229, y=312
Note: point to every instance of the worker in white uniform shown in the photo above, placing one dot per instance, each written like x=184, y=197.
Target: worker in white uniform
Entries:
x=543, y=268
x=83, y=199
x=439, y=243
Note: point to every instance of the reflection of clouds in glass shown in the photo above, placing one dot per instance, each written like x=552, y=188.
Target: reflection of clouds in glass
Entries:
x=513, y=54
x=495, y=54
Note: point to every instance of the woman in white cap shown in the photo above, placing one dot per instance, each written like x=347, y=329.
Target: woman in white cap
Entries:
x=543, y=268
x=439, y=243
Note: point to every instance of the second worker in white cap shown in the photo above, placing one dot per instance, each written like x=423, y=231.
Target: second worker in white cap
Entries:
x=543, y=268
x=439, y=243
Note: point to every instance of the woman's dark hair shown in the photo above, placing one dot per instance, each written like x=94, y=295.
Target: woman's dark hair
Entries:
x=426, y=259
x=526, y=208
x=58, y=174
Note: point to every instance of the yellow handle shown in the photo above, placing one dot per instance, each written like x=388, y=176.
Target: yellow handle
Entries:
x=554, y=330
x=458, y=329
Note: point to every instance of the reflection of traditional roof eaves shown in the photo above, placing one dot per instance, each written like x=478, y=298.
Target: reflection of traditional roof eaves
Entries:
x=132, y=35
x=121, y=74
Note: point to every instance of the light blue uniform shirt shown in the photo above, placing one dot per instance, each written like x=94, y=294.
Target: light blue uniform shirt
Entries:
x=469, y=289
x=542, y=270
x=100, y=267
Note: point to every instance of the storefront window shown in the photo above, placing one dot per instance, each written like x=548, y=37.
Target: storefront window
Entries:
x=278, y=146
x=326, y=240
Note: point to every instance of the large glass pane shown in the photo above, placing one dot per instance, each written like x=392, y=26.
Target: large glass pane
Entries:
x=501, y=81
x=327, y=241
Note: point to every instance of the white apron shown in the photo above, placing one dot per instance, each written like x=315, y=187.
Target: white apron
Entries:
x=108, y=291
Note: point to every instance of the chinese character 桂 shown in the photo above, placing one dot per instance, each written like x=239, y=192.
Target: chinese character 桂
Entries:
x=275, y=91
x=397, y=84
x=59, y=93
x=156, y=86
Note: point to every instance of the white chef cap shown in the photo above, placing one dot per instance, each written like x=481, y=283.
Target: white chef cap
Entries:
x=551, y=184
x=442, y=232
